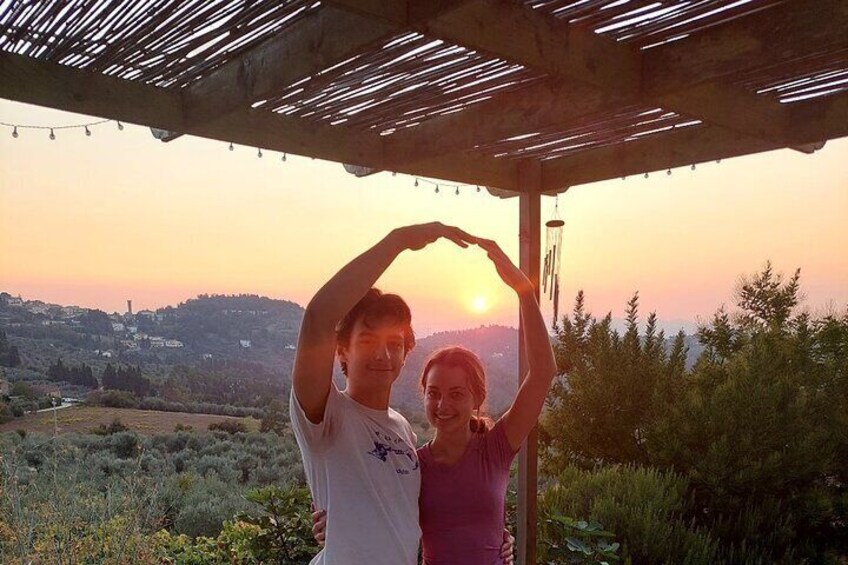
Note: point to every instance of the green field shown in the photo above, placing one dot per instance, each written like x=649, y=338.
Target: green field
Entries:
x=83, y=419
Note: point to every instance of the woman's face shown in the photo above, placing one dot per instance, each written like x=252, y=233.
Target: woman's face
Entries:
x=448, y=401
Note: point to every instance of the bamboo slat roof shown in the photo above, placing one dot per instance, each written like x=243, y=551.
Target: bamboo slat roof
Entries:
x=465, y=90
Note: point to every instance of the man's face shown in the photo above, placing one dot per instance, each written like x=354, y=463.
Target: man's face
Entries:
x=375, y=355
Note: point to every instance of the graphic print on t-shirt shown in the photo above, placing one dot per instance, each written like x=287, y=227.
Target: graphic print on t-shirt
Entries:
x=385, y=446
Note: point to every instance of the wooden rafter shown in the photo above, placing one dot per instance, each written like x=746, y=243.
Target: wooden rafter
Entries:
x=66, y=88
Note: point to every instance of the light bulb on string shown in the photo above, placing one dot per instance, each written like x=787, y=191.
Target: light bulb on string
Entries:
x=457, y=191
x=15, y=132
x=231, y=146
x=394, y=173
x=646, y=175
x=416, y=183
x=52, y=135
x=478, y=188
x=87, y=132
x=437, y=189
x=693, y=166
x=120, y=126
x=283, y=158
x=668, y=172
x=718, y=161
x=259, y=152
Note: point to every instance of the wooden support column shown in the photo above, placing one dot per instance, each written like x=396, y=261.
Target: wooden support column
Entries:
x=529, y=235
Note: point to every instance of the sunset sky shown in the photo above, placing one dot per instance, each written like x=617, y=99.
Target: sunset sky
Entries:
x=95, y=221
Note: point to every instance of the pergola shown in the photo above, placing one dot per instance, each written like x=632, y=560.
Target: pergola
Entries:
x=526, y=97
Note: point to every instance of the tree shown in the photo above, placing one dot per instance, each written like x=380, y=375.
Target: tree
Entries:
x=276, y=418
x=759, y=426
x=611, y=387
x=9, y=354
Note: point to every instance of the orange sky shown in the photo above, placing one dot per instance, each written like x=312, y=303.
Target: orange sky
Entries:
x=94, y=221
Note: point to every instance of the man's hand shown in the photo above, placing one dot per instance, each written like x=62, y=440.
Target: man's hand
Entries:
x=319, y=526
x=508, y=548
x=421, y=235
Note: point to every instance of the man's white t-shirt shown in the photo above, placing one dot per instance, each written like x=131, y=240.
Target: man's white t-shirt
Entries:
x=362, y=468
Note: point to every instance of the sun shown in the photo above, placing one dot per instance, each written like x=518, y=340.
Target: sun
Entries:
x=479, y=304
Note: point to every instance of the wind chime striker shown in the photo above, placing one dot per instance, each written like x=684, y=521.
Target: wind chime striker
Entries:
x=553, y=251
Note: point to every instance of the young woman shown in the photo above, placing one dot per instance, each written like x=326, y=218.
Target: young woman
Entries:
x=465, y=468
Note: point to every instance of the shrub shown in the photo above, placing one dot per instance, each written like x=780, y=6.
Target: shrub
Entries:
x=113, y=428
x=228, y=426
x=644, y=507
x=112, y=399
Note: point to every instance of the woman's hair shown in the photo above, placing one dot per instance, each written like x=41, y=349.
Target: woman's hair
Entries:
x=470, y=364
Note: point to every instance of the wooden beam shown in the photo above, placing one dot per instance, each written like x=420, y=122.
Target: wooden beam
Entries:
x=29, y=80
x=334, y=33
x=771, y=37
x=32, y=81
x=320, y=40
x=534, y=108
x=577, y=58
x=530, y=250
x=516, y=33
x=814, y=123
x=691, y=145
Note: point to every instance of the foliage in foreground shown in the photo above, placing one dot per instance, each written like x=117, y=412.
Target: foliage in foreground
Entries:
x=756, y=431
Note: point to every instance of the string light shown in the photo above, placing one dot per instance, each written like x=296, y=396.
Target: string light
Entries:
x=646, y=175
x=283, y=159
x=120, y=126
x=53, y=129
x=668, y=172
x=437, y=189
x=259, y=152
x=457, y=191
x=478, y=188
x=718, y=161
x=693, y=166
x=231, y=146
x=416, y=183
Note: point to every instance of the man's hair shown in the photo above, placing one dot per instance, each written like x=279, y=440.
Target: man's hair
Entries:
x=376, y=308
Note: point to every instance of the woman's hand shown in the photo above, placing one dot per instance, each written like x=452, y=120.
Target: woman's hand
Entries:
x=509, y=273
x=421, y=235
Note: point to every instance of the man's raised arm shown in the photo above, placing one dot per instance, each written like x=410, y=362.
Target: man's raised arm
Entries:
x=316, y=348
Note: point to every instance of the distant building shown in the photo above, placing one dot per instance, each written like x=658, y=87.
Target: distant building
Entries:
x=117, y=327
x=132, y=329
x=149, y=314
x=157, y=342
x=129, y=307
x=290, y=347
x=15, y=301
x=173, y=343
x=206, y=356
x=245, y=343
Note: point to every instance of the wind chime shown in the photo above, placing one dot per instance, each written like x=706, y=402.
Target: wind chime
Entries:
x=553, y=251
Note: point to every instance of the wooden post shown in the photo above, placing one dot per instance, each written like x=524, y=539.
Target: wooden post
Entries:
x=529, y=234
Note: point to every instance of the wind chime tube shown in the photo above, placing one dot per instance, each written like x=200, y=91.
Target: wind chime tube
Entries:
x=556, y=299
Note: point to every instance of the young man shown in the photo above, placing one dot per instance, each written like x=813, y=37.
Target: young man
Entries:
x=359, y=454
